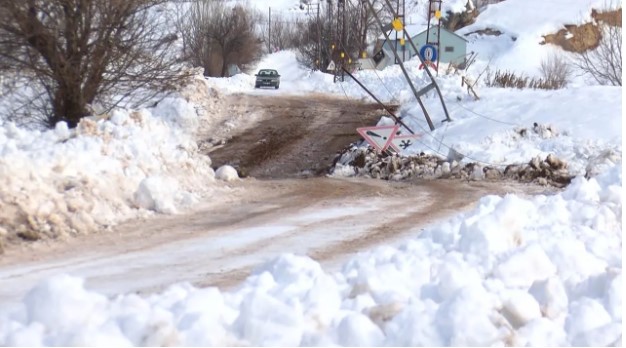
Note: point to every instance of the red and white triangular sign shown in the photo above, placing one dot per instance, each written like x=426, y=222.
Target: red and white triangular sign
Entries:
x=402, y=142
x=379, y=137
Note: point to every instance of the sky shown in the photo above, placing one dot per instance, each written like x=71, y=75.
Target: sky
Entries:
x=515, y=270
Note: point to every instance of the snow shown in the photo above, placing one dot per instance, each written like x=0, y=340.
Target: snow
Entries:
x=426, y=291
x=519, y=48
x=541, y=270
x=62, y=182
x=226, y=173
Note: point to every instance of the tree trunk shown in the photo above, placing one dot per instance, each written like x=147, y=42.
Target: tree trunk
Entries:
x=68, y=105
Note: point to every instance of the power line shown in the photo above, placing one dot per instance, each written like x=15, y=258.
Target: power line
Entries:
x=441, y=143
x=487, y=117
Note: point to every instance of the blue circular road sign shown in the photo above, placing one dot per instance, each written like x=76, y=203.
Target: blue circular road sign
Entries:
x=428, y=53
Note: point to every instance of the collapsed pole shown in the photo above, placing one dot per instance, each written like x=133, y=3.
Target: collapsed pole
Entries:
x=432, y=78
x=398, y=120
x=406, y=74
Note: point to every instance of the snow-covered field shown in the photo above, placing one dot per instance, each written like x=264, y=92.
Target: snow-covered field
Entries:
x=545, y=270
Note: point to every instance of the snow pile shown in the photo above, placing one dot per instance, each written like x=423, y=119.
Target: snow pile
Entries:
x=226, y=173
x=514, y=271
x=61, y=181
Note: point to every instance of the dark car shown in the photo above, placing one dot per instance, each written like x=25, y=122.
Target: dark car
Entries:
x=267, y=78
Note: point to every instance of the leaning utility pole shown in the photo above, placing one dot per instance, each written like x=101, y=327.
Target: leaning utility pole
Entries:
x=398, y=25
x=406, y=74
x=430, y=75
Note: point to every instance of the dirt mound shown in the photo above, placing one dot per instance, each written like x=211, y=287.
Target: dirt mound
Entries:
x=580, y=38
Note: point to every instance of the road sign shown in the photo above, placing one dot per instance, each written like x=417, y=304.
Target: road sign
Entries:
x=402, y=142
x=428, y=53
x=331, y=66
x=379, y=137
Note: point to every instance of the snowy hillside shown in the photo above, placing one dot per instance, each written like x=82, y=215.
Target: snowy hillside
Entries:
x=518, y=48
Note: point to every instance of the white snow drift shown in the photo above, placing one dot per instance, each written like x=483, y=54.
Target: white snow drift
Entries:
x=539, y=271
x=63, y=181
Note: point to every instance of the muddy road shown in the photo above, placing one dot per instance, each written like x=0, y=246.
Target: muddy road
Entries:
x=293, y=136
x=284, y=204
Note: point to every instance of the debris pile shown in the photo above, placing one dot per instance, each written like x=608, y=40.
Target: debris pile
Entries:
x=355, y=161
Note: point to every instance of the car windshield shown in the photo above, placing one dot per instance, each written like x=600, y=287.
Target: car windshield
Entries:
x=268, y=73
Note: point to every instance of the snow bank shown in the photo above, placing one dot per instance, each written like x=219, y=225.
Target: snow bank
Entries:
x=523, y=24
x=226, y=173
x=517, y=271
x=60, y=182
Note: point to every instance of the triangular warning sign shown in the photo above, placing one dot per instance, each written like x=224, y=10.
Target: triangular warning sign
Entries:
x=331, y=66
x=402, y=142
x=379, y=137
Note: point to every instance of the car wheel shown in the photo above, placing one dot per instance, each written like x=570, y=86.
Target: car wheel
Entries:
x=256, y=86
x=276, y=87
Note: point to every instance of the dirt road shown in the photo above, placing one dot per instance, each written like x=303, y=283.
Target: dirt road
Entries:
x=271, y=212
x=292, y=136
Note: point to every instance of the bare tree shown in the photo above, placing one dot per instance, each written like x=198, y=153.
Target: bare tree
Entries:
x=604, y=63
x=555, y=71
x=216, y=36
x=282, y=35
x=192, y=22
x=77, y=52
x=322, y=40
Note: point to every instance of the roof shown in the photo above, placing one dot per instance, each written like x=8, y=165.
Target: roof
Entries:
x=411, y=29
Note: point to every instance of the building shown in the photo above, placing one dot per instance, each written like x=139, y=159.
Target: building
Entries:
x=453, y=47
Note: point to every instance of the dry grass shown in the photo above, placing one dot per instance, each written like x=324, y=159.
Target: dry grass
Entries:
x=509, y=79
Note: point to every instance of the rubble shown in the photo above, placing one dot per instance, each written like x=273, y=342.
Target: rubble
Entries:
x=366, y=162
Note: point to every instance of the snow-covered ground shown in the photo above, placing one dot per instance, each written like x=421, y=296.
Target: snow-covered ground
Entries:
x=533, y=271
x=540, y=271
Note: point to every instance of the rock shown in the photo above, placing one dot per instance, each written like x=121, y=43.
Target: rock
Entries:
x=492, y=173
x=555, y=163
x=535, y=163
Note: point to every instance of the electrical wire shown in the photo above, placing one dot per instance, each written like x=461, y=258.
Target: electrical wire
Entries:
x=383, y=83
x=487, y=117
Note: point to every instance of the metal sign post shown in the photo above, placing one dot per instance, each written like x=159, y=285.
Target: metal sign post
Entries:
x=415, y=49
x=406, y=75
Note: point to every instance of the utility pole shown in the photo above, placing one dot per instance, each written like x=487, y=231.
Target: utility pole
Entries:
x=403, y=35
x=319, y=39
x=406, y=74
x=269, y=34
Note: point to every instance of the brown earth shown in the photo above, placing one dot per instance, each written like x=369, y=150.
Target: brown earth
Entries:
x=581, y=38
x=293, y=135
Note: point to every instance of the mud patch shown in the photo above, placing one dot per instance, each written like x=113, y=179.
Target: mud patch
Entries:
x=290, y=136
